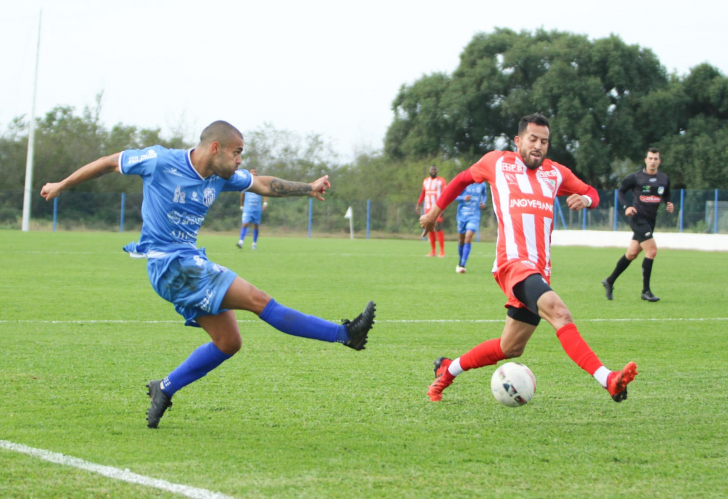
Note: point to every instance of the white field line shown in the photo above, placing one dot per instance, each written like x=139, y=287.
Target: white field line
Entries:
x=379, y=321
x=115, y=473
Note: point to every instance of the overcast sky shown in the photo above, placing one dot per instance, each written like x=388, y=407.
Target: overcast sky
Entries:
x=330, y=67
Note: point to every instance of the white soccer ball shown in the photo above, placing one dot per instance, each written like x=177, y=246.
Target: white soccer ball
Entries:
x=513, y=384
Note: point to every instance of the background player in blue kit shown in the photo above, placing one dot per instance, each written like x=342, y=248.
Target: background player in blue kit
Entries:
x=471, y=201
x=252, y=205
x=179, y=188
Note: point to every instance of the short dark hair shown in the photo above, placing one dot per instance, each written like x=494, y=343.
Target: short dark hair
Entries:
x=654, y=150
x=220, y=131
x=536, y=119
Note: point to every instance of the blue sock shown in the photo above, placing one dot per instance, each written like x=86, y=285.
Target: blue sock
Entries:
x=293, y=322
x=255, y=235
x=243, y=233
x=198, y=364
x=460, y=253
x=466, y=253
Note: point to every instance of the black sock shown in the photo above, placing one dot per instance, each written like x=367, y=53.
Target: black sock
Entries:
x=646, y=273
x=622, y=265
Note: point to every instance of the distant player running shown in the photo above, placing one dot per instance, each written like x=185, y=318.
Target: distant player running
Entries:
x=524, y=186
x=471, y=201
x=432, y=187
x=649, y=188
x=252, y=205
x=179, y=188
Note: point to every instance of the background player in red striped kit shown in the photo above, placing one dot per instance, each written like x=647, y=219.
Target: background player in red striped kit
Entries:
x=524, y=186
x=432, y=187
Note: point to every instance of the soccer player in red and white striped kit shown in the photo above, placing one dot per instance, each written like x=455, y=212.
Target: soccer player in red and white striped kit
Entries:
x=432, y=188
x=524, y=186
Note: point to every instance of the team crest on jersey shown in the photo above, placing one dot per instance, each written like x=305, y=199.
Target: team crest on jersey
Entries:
x=208, y=196
x=660, y=190
x=550, y=182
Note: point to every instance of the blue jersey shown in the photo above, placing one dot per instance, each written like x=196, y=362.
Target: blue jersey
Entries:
x=176, y=197
x=470, y=210
x=253, y=202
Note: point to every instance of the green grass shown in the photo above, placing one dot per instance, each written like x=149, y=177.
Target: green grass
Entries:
x=81, y=332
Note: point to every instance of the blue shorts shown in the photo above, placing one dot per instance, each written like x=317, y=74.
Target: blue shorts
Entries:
x=191, y=282
x=469, y=224
x=252, y=217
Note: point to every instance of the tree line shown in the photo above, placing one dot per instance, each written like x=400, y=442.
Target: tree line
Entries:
x=607, y=102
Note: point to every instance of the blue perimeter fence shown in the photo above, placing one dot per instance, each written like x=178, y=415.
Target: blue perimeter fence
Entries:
x=696, y=211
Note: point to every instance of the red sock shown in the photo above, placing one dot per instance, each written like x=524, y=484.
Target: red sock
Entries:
x=578, y=349
x=432, y=241
x=485, y=354
x=441, y=239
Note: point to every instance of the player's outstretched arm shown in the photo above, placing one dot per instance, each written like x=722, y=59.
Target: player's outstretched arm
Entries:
x=95, y=169
x=276, y=187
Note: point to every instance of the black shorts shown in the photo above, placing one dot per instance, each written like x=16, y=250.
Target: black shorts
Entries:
x=528, y=291
x=643, y=228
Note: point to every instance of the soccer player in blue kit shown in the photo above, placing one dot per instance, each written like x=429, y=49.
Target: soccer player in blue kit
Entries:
x=471, y=201
x=179, y=187
x=252, y=205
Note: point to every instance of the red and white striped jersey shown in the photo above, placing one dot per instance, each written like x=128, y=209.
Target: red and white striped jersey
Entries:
x=432, y=188
x=523, y=202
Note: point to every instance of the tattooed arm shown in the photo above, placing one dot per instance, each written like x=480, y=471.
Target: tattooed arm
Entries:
x=276, y=187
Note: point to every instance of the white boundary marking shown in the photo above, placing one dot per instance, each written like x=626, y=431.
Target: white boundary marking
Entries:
x=379, y=321
x=115, y=473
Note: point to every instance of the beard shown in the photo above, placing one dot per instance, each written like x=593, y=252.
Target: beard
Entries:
x=534, y=163
x=534, y=166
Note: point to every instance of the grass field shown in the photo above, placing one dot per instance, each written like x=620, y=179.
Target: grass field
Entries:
x=82, y=331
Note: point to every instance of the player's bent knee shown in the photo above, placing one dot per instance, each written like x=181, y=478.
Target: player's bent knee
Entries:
x=514, y=351
x=229, y=346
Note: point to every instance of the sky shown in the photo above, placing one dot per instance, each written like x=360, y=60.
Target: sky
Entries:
x=327, y=67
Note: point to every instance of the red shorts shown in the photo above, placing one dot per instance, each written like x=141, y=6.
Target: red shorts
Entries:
x=513, y=272
x=439, y=219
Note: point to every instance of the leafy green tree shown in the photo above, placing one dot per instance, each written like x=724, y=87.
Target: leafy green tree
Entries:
x=591, y=91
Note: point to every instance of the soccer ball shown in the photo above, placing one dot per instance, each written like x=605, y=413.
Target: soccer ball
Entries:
x=513, y=384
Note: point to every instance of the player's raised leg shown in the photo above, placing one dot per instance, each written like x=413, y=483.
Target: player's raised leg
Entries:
x=244, y=296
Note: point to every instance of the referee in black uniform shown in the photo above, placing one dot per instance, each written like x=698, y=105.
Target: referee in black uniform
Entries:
x=649, y=188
